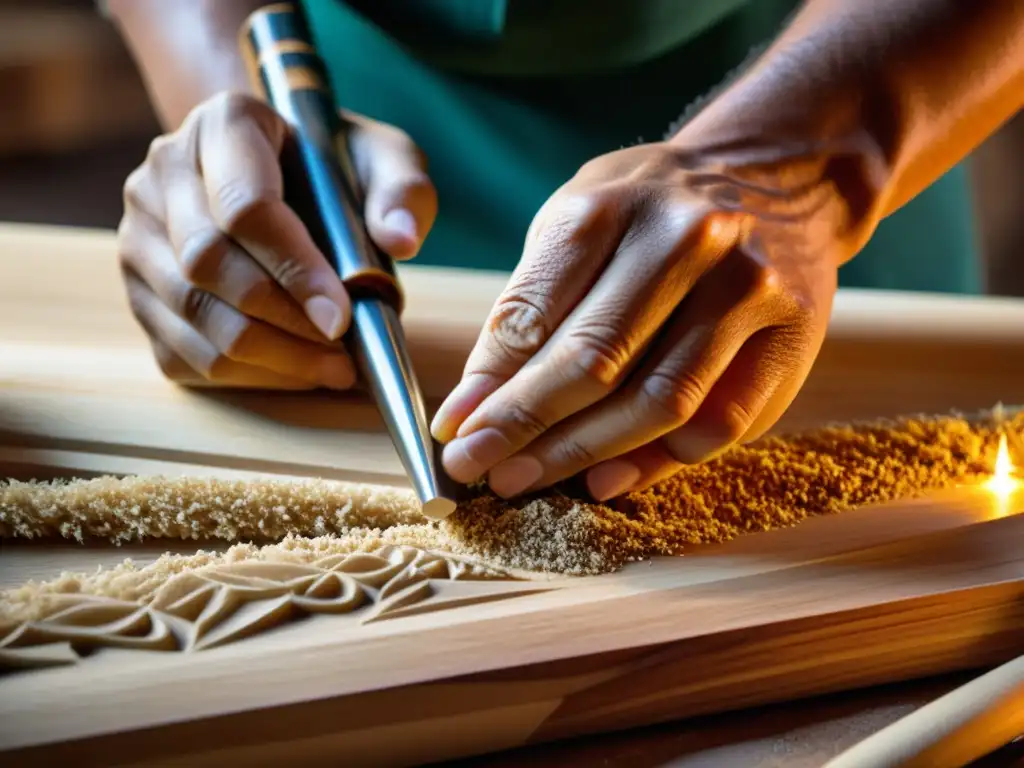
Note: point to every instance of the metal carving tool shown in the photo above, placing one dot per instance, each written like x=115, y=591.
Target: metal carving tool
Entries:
x=321, y=186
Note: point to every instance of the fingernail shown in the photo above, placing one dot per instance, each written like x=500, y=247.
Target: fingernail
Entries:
x=468, y=458
x=457, y=407
x=611, y=479
x=440, y=427
x=515, y=475
x=401, y=222
x=693, y=447
x=325, y=315
x=336, y=373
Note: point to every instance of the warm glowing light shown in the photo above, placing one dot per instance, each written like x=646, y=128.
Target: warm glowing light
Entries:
x=1003, y=483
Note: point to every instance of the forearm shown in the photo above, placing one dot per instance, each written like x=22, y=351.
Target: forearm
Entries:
x=903, y=88
x=186, y=50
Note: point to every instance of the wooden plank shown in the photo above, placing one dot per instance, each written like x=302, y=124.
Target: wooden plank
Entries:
x=677, y=647
x=874, y=595
x=887, y=353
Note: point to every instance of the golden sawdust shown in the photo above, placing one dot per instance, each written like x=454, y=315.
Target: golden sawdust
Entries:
x=773, y=483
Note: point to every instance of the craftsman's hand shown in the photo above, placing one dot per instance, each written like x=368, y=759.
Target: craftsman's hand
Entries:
x=223, y=275
x=662, y=311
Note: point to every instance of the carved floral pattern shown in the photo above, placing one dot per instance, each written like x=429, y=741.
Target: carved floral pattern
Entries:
x=213, y=606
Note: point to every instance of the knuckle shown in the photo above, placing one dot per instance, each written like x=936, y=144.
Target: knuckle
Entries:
x=398, y=139
x=392, y=139
x=681, y=218
x=688, y=229
x=570, y=452
x=195, y=305
x=124, y=231
x=290, y=274
x=134, y=188
x=231, y=106
x=200, y=255
x=237, y=201
x=160, y=149
x=137, y=301
x=518, y=325
x=126, y=263
x=598, y=355
x=126, y=246
x=676, y=396
x=765, y=282
x=526, y=421
x=734, y=418
x=572, y=219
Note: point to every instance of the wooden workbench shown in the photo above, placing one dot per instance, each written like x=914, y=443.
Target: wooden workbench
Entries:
x=63, y=313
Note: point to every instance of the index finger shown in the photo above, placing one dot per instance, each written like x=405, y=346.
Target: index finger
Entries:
x=594, y=350
x=566, y=249
x=239, y=149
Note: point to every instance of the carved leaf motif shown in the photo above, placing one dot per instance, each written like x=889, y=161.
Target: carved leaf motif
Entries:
x=222, y=604
x=93, y=623
x=332, y=593
x=191, y=605
x=242, y=620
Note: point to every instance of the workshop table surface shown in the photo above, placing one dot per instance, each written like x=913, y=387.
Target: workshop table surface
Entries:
x=794, y=734
x=802, y=734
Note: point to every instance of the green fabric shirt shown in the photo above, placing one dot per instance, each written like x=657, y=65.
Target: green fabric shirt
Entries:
x=508, y=98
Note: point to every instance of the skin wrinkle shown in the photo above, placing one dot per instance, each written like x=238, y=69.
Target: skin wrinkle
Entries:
x=616, y=325
x=202, y=254
x=554, y=347
x=687, y=372
x=793, y=181
x=594, y=353
x=519, y=326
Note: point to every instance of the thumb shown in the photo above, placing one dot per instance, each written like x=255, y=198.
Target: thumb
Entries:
x=401, y=203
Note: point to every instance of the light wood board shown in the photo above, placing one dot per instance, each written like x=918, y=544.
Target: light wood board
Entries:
x=870, y=596
x=80, y=386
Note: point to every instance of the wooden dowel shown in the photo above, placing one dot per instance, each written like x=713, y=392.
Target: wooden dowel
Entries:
x=954, y=730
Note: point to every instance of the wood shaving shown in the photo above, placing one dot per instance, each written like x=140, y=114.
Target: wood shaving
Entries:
x=772, y=483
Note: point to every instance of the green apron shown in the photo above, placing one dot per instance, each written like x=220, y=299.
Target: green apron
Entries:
x=505, y=117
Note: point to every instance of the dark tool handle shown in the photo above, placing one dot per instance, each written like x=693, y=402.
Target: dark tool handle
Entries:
x=286, y=70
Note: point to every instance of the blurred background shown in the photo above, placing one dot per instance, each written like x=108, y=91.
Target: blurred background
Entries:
x=74, y=121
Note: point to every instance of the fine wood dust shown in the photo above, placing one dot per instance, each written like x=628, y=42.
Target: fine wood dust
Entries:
x=775, y=482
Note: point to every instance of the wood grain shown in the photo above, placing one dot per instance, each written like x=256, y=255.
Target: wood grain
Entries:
x=714, y=636
x=77, y=375
x=875, y=595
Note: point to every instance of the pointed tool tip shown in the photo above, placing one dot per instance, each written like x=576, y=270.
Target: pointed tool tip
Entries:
x=438, y=508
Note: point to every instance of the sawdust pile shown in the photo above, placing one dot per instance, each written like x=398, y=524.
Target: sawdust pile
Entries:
x=124, y=510
x=772, y=483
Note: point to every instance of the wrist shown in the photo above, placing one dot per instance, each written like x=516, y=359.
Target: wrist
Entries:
x=787, y=151
x=885, y=97
x=186, y=50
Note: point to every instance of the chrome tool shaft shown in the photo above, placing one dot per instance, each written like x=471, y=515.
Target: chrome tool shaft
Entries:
x=321, y=186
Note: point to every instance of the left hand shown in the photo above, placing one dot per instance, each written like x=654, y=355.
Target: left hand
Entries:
x=666, y=307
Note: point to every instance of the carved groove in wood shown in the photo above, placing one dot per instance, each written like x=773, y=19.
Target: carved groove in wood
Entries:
x=213, y=606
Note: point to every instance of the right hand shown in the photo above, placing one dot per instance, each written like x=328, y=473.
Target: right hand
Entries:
x=222, y=274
